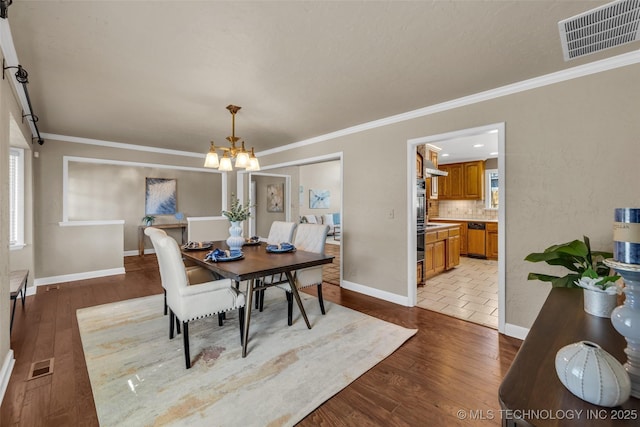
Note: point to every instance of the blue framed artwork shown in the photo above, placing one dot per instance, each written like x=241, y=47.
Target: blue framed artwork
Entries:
x=319, y=199
x=160, y=196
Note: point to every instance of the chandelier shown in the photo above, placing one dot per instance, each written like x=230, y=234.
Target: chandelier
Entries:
x=243, y=158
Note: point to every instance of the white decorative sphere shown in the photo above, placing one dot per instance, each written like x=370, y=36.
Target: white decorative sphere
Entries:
x=592, y=374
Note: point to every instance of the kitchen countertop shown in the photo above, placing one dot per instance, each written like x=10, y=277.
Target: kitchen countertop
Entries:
x=439, y=226
x=463, y=219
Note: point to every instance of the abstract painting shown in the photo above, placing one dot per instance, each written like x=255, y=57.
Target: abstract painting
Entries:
x=319, y=199
x=275, y=198
x=160, y=196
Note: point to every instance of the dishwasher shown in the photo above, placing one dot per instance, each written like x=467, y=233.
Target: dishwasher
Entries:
x=476, y=243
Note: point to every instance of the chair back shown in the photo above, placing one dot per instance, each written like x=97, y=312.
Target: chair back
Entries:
x=310, y=238
x=172, y=271
x=154, y=234
x=280, y=232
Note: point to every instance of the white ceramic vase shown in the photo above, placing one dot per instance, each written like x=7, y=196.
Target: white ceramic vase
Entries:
x=592, y=374
x=626, y=319
x=599, y=304
x=235, y=240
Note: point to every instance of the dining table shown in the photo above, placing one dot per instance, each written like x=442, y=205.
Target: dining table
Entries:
x=256, y=262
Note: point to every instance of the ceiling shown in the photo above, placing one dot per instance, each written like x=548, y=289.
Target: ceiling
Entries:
x=482, y=146
x=161, y=73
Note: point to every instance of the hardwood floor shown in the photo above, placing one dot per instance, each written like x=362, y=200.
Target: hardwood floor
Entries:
x=449, y=365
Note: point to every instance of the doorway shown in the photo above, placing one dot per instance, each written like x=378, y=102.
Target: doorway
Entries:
x=297, y=200
x=450, y=294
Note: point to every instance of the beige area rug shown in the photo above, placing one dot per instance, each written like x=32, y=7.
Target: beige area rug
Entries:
x=138, y=376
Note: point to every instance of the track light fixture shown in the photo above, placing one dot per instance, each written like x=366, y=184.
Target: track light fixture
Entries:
x=22, y=77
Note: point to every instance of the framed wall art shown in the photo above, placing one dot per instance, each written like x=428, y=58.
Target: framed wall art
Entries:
x=319, y=199
x=275, y=198
x=160, y=196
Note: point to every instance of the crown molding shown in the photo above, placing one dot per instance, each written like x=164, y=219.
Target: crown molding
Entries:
x=121, y=145
x=618, y=61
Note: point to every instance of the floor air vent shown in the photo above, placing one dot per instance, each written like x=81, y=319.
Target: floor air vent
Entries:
x=40, y=369
x=607, y=26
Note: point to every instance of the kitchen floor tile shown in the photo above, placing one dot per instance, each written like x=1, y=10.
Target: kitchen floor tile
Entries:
x=469, y=292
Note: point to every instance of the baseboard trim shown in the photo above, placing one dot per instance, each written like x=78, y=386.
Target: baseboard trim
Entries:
x=136, y=253
x=376, y=293
x=515, y=331
x=77, y=276
x=5, y=373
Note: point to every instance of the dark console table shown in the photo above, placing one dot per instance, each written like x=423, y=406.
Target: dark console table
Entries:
x=532, y=394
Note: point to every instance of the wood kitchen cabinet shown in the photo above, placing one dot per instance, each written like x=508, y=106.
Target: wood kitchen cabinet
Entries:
x=434, y=253
x=441, y=251
x=451, y=186
x=453, y=249
x=464, y=182
x=492, y=240
x=432, y=182
x=473, y=180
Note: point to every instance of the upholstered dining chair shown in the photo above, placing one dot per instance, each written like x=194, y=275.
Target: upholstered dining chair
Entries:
x=309, y=238
x=280, y=231
x=191, y=302
x=195, y=274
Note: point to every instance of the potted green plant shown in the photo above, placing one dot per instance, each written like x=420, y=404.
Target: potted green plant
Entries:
x=236, y=214
x=586, y=270
x=148, y=220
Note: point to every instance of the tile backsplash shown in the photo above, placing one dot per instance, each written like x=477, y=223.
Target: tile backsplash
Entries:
x=471, y=209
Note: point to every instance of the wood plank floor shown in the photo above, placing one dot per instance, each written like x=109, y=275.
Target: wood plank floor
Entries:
x=449, y=365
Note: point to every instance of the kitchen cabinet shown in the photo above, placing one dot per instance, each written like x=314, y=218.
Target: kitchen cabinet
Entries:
x=473, y=180
x=464, y=182
x=463, y=232
x=453, y=249
x=492, y=240
x=451, y=186
x=432, y=182
x=419, y=273
x=441, y=250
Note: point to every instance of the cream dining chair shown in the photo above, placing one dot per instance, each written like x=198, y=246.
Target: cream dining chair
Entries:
x=309, y=238
x=191, y=302
x=280, y=232
x=195, y=274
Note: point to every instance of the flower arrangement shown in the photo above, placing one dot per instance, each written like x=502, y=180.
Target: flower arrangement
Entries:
x=587, y=268
x=237, y=211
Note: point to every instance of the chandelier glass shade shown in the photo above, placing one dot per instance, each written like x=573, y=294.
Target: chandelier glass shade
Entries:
x=243, y=159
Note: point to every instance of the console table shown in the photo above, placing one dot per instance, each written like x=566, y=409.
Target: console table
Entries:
x=17, y=287
x=532, y=394
x=141, y=228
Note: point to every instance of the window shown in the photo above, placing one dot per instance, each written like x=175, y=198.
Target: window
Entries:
x=491, y=184
x=16, y=197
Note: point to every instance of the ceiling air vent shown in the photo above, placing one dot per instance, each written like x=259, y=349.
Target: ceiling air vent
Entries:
x=607, y=26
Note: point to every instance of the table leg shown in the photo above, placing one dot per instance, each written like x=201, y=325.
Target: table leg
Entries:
x=294, y=291
x=247, y=316
x=140, y=242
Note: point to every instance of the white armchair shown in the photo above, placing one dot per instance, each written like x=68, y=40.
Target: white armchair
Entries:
x=188, y=303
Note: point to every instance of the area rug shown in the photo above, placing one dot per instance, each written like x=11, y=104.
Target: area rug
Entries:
x=138, y=375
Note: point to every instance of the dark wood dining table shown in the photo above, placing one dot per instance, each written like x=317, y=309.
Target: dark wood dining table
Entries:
x=257, y=263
